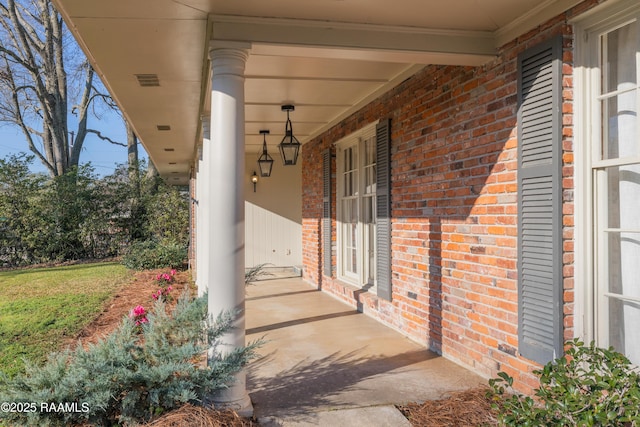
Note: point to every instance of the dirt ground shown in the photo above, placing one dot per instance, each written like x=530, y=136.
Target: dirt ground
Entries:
x=137, y=292
x=468, y=408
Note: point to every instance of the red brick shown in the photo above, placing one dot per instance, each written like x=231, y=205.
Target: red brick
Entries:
x=454, y=206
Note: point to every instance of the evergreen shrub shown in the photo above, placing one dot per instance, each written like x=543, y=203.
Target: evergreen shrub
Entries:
x=135, y=373
x=588, y=386
x=150, y=254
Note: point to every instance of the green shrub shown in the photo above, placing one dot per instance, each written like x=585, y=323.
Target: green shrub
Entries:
x=589, y=386
x=150, y=254
x=130, y=376
x=168, y=214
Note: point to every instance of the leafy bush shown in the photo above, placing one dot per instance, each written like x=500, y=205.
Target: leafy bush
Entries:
x=168, y=215
x=150, y=254
x=589, y=386
x=130, y=377
x=79, y=215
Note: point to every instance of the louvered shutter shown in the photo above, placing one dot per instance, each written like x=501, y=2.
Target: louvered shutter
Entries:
x=383, y=209
x=540, y=202
x=326, y=212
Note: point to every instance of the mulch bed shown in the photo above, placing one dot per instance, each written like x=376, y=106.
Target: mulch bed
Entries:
x=466, y=408
x=138, y=292
x=197, y=416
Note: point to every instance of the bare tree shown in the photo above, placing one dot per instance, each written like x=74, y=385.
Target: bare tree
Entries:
x=44, y=77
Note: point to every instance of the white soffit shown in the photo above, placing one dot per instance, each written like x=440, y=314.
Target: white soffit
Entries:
x=327, y=57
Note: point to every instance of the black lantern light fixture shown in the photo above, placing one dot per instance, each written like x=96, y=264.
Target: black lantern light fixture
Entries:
x=290, y=146
x=254, y=180
x=265, y=161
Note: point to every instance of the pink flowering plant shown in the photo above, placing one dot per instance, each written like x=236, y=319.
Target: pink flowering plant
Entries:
x=164, y=280
x=138, y=316
x=163, y=293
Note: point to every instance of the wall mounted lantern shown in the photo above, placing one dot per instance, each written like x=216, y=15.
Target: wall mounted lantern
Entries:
x=254, y=180
x=265, y=161
x=290, y=146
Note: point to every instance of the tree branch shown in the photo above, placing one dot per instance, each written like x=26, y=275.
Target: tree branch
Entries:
x=106, y=98
x=105, y=138
x=26, y=130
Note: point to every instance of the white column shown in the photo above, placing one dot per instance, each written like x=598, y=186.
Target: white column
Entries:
x=226, y=207
x=202, y=238
x=195, y=220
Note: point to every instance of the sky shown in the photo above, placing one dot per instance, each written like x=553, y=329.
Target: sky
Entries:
x=103, y=156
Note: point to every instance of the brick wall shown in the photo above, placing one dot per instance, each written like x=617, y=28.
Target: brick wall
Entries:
x=454, y=208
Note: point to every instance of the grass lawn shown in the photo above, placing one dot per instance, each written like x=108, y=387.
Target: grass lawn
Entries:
x=41, y=308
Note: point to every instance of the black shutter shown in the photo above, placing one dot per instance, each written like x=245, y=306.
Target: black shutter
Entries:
x=326, y=212
x=383, y=209
x=540, y=202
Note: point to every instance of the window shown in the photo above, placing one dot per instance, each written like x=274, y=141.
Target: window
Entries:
x=616, y=172
x=611, y=59
x=356, y=181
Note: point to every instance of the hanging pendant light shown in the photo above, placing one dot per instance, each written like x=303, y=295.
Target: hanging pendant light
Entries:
x=290, y=146
x=265, y=161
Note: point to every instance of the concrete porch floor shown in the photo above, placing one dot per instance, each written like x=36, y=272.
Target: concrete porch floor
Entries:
x=326, y=364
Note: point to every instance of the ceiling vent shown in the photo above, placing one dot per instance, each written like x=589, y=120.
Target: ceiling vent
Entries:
x=163, y=127
x=148, y=80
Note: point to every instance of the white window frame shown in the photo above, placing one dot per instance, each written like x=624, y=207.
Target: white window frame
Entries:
x=360, y=279
x=588, y=27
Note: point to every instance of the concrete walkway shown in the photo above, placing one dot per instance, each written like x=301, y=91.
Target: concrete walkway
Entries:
x=326, y=364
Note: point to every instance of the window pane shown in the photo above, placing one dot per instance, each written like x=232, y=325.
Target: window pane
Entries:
x=622, y=256
x=350, y=234
x=624, y=318
x=619, y=47
x=353, y=208
x=619, y=79
x=371, y=249
x=624, y=261
x=368, y=210
x=369, y=219
x=370, y=180
x=350, y=159
x=350, y=171
x=370, y=151
x=619, y=135
x=346, y=161
x=623, y=197
x=370, y=166
x=350, y=184
x=353, y=237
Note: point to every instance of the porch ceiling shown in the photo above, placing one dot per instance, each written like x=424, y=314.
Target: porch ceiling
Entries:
x=327, y=57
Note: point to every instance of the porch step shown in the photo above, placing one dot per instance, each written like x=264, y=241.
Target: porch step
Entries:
x=270, y=272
